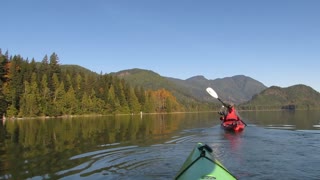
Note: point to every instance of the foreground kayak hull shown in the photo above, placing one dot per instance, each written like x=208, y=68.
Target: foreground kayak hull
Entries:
x=202, y=165
x=235, y=126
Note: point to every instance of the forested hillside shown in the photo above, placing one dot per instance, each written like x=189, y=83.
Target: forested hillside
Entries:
x=151, y=80
x=46, y=88
x=293, y=97
x=236, y=89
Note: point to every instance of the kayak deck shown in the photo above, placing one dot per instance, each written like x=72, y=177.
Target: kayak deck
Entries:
x=202, y=165
x=233, y=125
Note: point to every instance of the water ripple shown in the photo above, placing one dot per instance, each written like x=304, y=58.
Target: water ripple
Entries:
x=181, y=139
x=116, y=162
x=100, y=152
x=284, y=126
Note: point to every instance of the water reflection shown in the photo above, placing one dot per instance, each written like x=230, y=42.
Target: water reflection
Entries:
x=113, y=146
x=317, y=126
x=42, y=147
x=234, y=139
x=284, y=119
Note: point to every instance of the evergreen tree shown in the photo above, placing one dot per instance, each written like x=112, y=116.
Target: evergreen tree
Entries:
x=78, y=89
x=54, y=64
x=97, y=104
x=85, y=104
x=140, y=93
x=44, y=68
x=68, y=82
x=120, y=93
x=134, y=104
x=150, y=103
x=32, y=89
x=54, y=70
x=14, y=89
x=92, y=101
x=3, y=80
x=27, y=69
x=59, y=102
x=3, y=69
x=113, y=104
x=54, y=86
x=45, y=100
x=12, y=111
x=30, y=99
x=71, y=104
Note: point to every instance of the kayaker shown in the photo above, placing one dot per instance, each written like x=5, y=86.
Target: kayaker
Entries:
x=230, y=114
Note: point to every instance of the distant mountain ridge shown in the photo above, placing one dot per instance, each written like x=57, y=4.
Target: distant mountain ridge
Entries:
x=300, y=96
x=146, y=78
x=239, y=89
x=236, y=89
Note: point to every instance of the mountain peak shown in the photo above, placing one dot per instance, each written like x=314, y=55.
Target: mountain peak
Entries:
x=133, y=71
x=300, y=95
x=197, y=78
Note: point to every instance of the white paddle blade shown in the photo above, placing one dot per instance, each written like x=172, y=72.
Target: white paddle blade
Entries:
x=212, y=92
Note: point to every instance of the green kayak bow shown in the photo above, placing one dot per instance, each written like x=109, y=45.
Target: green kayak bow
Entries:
x=202, y=165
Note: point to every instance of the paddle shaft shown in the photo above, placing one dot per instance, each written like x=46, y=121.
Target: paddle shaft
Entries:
x=226, y=105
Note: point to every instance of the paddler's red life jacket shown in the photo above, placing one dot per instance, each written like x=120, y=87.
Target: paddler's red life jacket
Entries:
x=232, y=115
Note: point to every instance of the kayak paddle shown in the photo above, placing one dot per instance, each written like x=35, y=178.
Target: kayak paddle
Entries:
x=215, y=95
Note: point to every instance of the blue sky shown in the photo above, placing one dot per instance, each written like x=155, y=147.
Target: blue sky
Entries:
x=276, y=42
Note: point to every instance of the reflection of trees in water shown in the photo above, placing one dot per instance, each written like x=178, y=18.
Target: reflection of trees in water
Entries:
x=3, y=156
x=301, y=119
x=60, y=134
x=33, y=143
x=47, y=138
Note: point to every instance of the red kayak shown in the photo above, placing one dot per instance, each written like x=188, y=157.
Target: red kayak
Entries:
x=233, y=125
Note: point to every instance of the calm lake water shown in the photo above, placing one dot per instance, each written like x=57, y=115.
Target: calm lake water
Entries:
x=275, y=145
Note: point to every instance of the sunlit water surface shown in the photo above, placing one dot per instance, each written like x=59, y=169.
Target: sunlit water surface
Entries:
x=274, y=145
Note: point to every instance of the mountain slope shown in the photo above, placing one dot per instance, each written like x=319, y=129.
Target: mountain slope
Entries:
x=300, y=95
x=146, y=78
x=236, y=89
x=151, y=80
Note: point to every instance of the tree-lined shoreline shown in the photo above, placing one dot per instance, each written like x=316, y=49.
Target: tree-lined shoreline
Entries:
x=47, y=89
